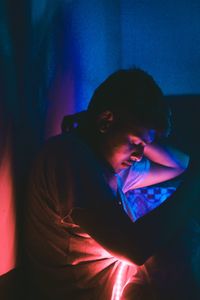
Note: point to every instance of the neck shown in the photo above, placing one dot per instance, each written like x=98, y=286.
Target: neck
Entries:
x=90, y=134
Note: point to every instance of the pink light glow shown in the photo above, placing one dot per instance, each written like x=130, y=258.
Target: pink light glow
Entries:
x=7, y=216
x=121, y=280
x=117, y=289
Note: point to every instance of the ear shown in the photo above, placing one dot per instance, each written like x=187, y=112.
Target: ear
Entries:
x=105, y=121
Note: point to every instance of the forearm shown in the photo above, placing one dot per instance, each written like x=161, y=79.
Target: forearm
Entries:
x=136, y=242
x=166, y=156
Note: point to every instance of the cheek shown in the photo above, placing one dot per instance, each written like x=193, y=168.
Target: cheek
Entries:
x=122, y=151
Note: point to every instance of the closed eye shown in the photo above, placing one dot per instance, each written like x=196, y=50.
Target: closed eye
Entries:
x=137, y=145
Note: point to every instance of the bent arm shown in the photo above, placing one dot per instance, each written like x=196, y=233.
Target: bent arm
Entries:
x=166, y=163
x=167, y=156
x=136, y=242
x=104, y=219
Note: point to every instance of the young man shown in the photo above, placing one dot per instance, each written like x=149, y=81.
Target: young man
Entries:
x=82, y=240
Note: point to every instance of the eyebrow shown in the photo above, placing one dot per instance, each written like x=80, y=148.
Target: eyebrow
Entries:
x=144, y=140
x=139, y=138
x=147, y=138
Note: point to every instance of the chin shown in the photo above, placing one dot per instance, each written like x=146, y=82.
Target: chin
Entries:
x=120, y=168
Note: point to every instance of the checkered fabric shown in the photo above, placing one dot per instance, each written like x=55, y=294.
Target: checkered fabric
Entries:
x=146, y=199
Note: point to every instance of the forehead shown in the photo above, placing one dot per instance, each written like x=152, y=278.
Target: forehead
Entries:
x=137, y=128
x=144, y=134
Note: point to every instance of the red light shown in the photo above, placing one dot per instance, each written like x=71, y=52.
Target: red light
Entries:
x=121, y=280
x=7, y=216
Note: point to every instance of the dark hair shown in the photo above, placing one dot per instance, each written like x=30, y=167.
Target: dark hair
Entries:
x=133, y=96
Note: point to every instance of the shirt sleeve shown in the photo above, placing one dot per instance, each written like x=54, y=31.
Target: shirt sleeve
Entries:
x=134, y=174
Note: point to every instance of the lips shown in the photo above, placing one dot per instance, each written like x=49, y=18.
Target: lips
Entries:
x=128, y=163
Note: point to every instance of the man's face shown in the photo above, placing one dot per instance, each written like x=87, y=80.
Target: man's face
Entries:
x=123, y=148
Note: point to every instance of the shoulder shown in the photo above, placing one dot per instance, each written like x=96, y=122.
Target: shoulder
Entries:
x=63, y=144
x=68, y=149
x=64, y=139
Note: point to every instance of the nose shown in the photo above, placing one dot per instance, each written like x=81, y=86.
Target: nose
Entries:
x=137, y=154
x=136, y=157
